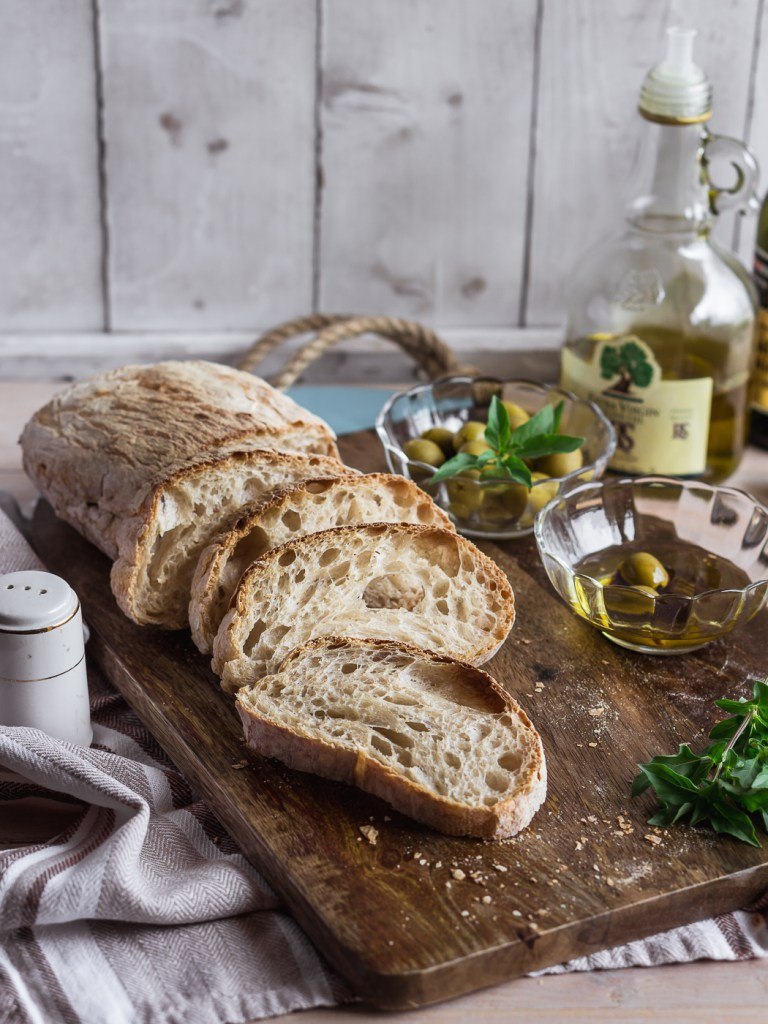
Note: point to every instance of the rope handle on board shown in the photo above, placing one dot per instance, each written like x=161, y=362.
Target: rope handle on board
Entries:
x=426, y=348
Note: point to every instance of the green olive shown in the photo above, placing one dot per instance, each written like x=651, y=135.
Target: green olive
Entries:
x=504, y=502
x=561, y=463
x=517, y=415
x=442, y=437
x=465, y=491
x=475, y=447
x=421, y=450
x=471, y=431
x=460, y=510
x=542, y=493
x=629, y=601
x=644, y=570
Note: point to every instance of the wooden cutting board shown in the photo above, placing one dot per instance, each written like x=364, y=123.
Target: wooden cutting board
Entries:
x=419, y=917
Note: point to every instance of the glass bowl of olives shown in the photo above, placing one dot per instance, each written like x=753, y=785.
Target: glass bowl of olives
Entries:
x=659, y=565
x=427, y=426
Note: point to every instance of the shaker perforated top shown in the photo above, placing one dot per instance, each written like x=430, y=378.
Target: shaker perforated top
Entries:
x=34, y=600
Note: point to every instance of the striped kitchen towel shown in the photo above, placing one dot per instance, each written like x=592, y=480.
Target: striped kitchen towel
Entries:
x=143, y=909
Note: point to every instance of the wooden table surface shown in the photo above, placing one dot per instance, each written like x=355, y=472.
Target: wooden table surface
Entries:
x=704, y=992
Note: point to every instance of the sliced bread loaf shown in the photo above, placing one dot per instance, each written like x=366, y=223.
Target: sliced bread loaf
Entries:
x=418, y=584
x=313, y=506
x=159, y=544
x=439, y=740
x=97, y=447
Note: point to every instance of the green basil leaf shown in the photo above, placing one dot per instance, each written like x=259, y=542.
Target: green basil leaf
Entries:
x=731, y=821
x=518, y=469
x=670, y=786
x=453, y=466
x=541, y=422
x=548, y=444
x=497, y=432
x=557, y=416
x=725, y=729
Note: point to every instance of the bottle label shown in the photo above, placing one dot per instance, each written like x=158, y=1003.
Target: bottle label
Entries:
x=662, y=425
x=759, y=394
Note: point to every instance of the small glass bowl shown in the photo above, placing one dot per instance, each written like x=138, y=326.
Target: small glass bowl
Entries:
x=494, y=509
x=643, y=513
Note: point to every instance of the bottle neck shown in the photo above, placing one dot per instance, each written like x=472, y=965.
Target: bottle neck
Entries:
x=669, y=181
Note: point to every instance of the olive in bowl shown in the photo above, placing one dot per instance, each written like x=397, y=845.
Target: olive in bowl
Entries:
x=482, y=499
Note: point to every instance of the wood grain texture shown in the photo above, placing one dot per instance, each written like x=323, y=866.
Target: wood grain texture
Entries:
x=209, y=132
x=386, y=920
x=425, y=121
x=50, y=248
x=593, y=61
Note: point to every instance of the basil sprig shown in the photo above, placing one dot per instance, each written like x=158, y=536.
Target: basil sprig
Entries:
x=537, y=437
x=726, y=785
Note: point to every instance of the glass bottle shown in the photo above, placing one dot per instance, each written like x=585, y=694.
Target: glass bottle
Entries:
x=759, y=391
x=661, y=319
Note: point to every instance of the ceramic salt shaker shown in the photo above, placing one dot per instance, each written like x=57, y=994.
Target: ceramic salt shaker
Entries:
x=43, y=682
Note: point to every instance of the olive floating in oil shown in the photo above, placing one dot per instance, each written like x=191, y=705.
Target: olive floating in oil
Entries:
x=635, y=605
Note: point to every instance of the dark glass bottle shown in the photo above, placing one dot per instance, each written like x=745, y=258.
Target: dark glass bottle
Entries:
x=759, y=391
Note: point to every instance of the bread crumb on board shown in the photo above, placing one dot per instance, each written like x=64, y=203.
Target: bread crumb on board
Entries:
x=370, y=833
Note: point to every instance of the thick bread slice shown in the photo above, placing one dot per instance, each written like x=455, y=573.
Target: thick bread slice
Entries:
x=159, y=545
x=439, y=740
x=315, y=505
x=396, y=581
x=95, y=449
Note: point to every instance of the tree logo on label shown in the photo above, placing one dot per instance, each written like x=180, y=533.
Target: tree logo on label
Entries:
x=628, y=365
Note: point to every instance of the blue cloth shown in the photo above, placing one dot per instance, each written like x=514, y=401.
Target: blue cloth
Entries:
x=344, y=408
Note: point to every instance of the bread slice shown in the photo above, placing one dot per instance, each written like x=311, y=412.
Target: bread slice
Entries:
x=158, y=546
x=397, y=581
x=313, y=506
x=95, y=450
x=439, y=740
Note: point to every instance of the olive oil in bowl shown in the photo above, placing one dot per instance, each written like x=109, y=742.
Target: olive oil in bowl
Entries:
x=657, y=614
x=658, y=565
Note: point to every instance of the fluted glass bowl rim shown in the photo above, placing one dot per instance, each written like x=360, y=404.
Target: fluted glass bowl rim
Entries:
x=600, y=461
x=600, y=486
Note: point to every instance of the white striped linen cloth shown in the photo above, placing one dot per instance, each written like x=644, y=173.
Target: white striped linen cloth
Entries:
x=143, y=909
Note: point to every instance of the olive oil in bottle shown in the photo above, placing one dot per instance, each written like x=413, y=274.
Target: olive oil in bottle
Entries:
x=661, y=319
x=759, y=390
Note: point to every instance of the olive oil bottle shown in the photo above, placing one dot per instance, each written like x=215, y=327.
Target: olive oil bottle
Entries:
x=759, y=392
x=661, y=319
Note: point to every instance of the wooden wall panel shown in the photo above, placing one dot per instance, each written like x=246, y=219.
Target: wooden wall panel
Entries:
x=50, y=239
x=209, y=123
x=593, y=60
x=425, y=126
x=756, y=131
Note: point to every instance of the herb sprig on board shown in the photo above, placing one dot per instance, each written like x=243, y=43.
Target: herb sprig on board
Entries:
x=533, y=439
x=726, y=786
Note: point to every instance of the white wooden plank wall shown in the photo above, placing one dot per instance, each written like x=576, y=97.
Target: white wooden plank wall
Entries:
x=50, y=237
x=219, y=165
x=426, y=116
x=210, y=160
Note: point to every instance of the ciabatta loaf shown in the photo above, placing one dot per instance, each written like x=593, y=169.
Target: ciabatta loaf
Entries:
x=418, y=584
x=158, y=546
x=439, y=740
x=313, y=506
x=96, y=449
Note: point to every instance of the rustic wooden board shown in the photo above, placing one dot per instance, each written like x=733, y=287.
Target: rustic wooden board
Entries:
x=391, y=917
